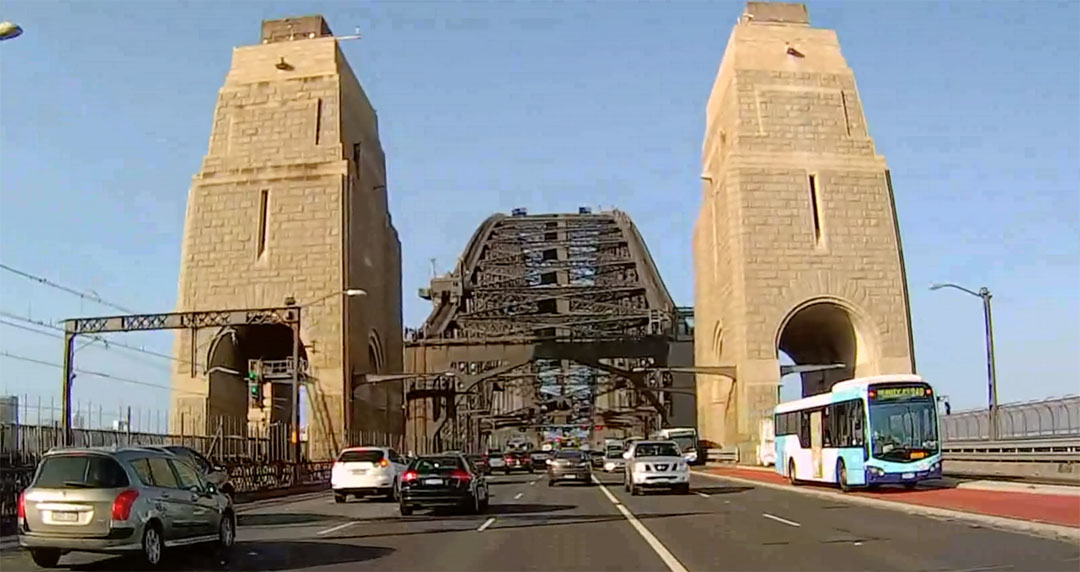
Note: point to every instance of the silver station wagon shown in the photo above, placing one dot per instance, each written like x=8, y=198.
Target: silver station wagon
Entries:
x=119, y=500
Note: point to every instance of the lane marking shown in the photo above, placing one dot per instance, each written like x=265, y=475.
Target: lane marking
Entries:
x=336, y=528
x=486, y=524
x=703, y=495
x=517, y=496
x=778, y=519
x=531, y=483
x=669, y=559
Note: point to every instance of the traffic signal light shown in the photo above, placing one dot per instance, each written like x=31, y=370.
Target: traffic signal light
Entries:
x=255, y=390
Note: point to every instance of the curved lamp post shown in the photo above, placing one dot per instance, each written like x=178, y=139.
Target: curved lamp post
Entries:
x=290, y=301
x=991, y=371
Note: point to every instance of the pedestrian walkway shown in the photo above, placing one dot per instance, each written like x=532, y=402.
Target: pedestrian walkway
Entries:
x=1058, y=509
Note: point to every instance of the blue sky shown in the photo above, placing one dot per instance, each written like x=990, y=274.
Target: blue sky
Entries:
x=105, y=112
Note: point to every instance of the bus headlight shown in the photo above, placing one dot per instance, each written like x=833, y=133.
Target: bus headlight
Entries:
x=876, y=471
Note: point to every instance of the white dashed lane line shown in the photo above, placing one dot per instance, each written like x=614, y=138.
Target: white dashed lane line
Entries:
x=517, y=496
x=778, y=519
x=336, y=528
x=703, y=495
x=486, y=524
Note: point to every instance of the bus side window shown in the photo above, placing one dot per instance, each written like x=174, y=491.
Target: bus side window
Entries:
x=804, y=429
x=857, y=431
x=827, y=427
x=841, y=424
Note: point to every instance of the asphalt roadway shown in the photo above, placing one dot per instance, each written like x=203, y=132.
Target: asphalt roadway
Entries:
x=529, y=526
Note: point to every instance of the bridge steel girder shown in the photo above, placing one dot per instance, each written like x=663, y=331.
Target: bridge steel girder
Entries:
x=533, y=299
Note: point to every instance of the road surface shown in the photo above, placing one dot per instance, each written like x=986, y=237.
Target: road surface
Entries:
x=529, y=526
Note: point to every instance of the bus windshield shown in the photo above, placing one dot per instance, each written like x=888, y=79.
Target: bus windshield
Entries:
x=898, y=428
x=686, y=443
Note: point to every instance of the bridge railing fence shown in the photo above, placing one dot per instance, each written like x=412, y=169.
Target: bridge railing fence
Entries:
x=1058, y=417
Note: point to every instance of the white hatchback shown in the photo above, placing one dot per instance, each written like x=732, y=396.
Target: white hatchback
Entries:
x=363, y=471
x=656, y=464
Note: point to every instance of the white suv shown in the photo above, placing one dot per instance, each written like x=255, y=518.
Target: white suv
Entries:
x=362, y=471
x=656, y=464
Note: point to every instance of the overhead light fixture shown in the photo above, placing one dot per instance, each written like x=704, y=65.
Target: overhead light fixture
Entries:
x=283, y=65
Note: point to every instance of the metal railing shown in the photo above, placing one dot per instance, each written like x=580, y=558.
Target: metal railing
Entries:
x=1058, y=417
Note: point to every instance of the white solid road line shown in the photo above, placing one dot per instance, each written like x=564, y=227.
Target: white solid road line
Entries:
x=336, y=528
x=703, y=495
x=517, y=496
x=486, y=524
x=673, y=563
x=778, y=519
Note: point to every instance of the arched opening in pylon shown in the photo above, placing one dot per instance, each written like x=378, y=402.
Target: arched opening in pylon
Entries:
x=819, y=333
x=227, y=371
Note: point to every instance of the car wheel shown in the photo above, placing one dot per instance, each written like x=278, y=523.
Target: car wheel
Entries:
x=339, y=498
x=841, y=476
x=152, y=546
x=405, y=509
x=226, y=531
x=551, y=483
x=476, y=507
x=45, y=557
x=634, y=491
x=392, y=495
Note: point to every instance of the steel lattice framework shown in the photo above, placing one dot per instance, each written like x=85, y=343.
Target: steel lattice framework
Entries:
x=557, y=309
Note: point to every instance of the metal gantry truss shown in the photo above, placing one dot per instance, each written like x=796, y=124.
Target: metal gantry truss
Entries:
x=580, y=289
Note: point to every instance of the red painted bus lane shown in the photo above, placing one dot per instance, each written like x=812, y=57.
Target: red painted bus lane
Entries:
x=1037, y=507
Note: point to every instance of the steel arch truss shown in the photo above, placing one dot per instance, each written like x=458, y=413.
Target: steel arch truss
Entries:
x=578, y=302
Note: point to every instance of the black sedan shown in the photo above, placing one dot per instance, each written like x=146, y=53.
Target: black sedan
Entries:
x=445, y=480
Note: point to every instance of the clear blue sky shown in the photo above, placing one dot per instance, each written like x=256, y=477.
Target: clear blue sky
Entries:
x=105, y=112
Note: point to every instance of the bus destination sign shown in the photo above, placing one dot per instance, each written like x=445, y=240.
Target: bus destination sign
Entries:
x=900, y=393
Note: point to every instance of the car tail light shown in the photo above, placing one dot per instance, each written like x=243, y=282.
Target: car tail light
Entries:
x=384, y=463
x=121, y=507
x=22, y=505
x=460, y=475
x=409, y=476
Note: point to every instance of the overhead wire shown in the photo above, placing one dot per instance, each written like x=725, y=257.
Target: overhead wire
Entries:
x=91, y=296
x=90, y=372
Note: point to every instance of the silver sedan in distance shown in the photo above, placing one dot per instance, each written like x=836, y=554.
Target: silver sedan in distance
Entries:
x=570, y=465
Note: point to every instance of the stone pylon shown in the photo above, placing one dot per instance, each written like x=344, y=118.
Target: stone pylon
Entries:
x=797, y=246
x=291, y=202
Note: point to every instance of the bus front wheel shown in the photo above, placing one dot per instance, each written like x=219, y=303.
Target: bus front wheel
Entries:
x=841, y=476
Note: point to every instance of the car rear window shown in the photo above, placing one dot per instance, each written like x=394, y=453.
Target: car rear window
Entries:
x=437, y=465
x=80, y=472
x=367, y=455
x=572, y=455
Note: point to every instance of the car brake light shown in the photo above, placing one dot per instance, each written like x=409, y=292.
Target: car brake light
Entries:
x=121, y=507
x=22, y=505
x=409, y=476
x=384, y=463
x=460, y=474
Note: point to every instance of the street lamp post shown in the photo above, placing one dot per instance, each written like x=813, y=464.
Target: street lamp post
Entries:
x=290, y=301
x=991, y=370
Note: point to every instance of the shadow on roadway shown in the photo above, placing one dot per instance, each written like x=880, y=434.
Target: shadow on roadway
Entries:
x=278, y=555
x=722, y=490
x=284, y=518
x=520, y=521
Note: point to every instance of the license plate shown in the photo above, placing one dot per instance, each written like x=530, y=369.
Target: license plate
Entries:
x=433, y=481
x=571, y=476
x=359, y=471
x=65, y=516
x=908, y=475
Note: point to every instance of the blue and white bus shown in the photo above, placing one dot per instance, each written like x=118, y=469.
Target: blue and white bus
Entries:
x=865, y=432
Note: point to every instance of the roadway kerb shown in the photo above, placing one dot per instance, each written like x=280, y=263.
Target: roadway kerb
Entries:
x=1070, y=532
